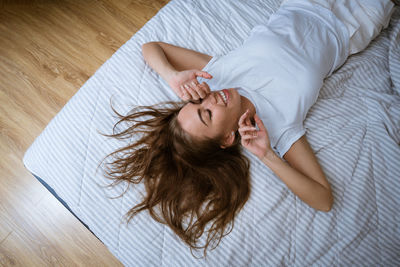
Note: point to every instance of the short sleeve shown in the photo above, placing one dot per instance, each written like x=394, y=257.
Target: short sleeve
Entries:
x=211, y=62
x=288, y=138
x=216, y=72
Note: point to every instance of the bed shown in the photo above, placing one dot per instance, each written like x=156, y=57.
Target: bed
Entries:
x=354, y=129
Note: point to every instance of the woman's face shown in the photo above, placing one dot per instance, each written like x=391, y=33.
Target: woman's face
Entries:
x=216, y=115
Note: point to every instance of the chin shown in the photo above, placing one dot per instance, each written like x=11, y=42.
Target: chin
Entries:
x=235, y=96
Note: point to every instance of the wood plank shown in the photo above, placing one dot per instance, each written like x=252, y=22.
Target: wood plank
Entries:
x=48, y=50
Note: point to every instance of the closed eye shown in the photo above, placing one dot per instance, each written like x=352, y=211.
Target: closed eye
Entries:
x=209, y=113
x=199, y=101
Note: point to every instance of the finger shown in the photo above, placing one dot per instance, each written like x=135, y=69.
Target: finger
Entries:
x=245, y=142
x=186, y=89
x=248, y=121
x=206, y=87
x=247, y=130
x=183, y=94
x=192, y=92
x=181, y=91
x=246, y=135
x=242, y=119
x=200, y=91
x=185, y=97
x=195, y=91
x=249, y=137
x=204, y=74
x=259, y=123
x=196, y=88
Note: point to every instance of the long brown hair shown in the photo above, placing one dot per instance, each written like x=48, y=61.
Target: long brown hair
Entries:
x=195, y=185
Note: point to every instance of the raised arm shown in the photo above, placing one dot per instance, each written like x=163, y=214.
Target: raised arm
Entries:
x=179, y=67
x=302, y=174
x=179, y=58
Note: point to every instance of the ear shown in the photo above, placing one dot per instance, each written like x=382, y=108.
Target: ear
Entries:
x=228, y=140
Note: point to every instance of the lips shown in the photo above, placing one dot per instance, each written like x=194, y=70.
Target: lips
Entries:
x=226, y=92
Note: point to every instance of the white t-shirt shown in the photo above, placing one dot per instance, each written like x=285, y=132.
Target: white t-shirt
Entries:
x=281, y=66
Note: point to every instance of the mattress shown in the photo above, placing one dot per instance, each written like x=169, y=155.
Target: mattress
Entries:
x=354, y=129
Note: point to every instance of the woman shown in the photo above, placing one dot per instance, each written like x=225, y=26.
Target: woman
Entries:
x=189, y=155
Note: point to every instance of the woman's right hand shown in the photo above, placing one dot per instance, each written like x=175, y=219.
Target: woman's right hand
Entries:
x=185, y=84
x=256, y=141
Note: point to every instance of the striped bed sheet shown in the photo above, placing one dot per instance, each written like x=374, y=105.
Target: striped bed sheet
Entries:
x=354, y=129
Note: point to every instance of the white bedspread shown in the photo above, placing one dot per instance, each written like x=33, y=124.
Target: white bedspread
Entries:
x=354, y=129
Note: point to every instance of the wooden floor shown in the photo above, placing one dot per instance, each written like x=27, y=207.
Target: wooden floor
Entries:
x=48, y=49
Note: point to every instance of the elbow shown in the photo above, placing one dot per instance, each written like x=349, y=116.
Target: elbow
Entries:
x=148, y=49
x=328, y=203
x=148, y=44
x=327, y=208
x=145, y=46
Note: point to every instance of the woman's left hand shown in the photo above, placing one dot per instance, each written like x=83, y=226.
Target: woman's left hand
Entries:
x=256, y=141
x=185, y=84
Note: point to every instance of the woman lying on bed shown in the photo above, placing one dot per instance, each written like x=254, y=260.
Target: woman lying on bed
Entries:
x=189, y=154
